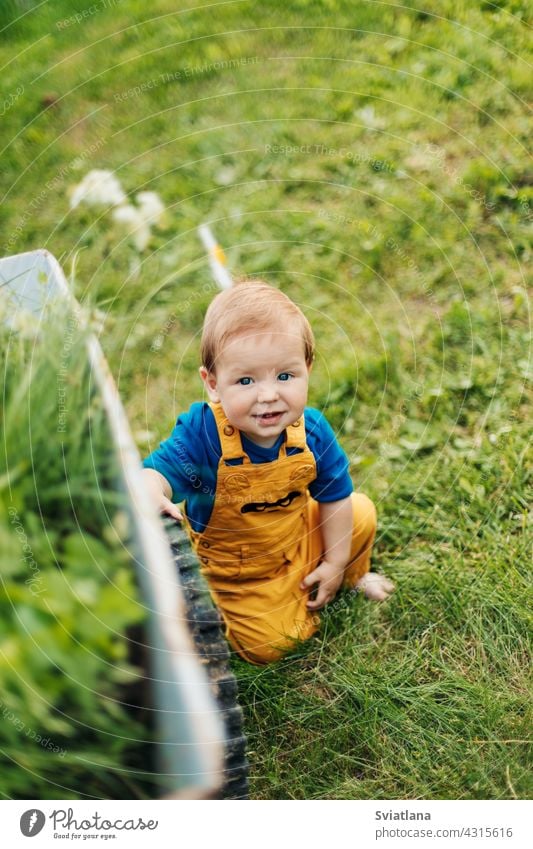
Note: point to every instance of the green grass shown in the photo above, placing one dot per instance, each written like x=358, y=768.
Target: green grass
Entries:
x=71, y=616
x=402, y=225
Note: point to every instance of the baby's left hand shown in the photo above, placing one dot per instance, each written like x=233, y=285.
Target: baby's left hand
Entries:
x=329, y=578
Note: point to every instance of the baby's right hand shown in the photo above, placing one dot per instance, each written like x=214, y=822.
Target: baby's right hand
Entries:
x=166, y=506
x=159, y=489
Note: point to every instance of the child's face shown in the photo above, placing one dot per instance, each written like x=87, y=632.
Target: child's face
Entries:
x=261, y=382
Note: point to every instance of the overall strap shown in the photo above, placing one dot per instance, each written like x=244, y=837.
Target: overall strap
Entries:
x=230, y=438
x=296, y=434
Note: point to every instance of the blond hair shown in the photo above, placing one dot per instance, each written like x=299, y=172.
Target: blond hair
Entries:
x=250, y=305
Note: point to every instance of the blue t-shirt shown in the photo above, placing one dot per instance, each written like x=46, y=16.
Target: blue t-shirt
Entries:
x=189, y=460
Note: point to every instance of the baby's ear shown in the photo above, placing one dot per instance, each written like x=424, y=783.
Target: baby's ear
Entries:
x=210, y=383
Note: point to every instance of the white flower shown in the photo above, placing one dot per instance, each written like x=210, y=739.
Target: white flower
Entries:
x=102, y=188
x=135, y=224
x=138, y=219
x=370, y=119
x=151, y=207
x=98, y=188
x=225, y=176
x=127, y=214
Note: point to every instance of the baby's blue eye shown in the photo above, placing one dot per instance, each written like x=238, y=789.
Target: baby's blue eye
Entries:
x=245, y=381
x=284, y=375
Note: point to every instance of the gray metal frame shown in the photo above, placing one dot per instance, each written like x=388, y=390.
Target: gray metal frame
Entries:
x=189, y=725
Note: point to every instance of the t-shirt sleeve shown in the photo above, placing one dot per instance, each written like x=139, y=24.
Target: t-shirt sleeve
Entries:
x=333, y=481
x=183, y=459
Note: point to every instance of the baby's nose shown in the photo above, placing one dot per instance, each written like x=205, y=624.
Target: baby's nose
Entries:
x=268, y=391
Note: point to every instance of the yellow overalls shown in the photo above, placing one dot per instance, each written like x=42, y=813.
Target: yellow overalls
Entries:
x=263, y=538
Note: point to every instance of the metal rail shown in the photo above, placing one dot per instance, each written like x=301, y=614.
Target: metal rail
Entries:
x=189, y=725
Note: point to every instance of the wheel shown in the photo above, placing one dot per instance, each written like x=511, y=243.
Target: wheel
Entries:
x=206, y=627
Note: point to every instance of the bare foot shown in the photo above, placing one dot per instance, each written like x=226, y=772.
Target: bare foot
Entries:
x=374, y=586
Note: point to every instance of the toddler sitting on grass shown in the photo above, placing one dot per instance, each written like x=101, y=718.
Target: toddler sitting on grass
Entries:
x=269, y=502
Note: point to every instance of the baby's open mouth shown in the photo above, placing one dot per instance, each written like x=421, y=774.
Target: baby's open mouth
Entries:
x=268, y=418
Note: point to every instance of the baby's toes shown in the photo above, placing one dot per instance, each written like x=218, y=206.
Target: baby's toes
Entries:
x=387, y=585
x=376, y=587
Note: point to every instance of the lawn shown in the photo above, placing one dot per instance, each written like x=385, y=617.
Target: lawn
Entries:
x=69, y=601
x=372, y=161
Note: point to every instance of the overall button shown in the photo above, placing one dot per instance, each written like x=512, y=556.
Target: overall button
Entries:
x=204, y=559
x=229, y=430
x=296, y=424
x=305, y=472
x=236, y=482
x=205, y=544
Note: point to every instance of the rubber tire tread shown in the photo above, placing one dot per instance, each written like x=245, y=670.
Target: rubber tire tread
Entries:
x=206, y=627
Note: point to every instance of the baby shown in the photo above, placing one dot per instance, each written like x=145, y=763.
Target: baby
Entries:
x=269, y=505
